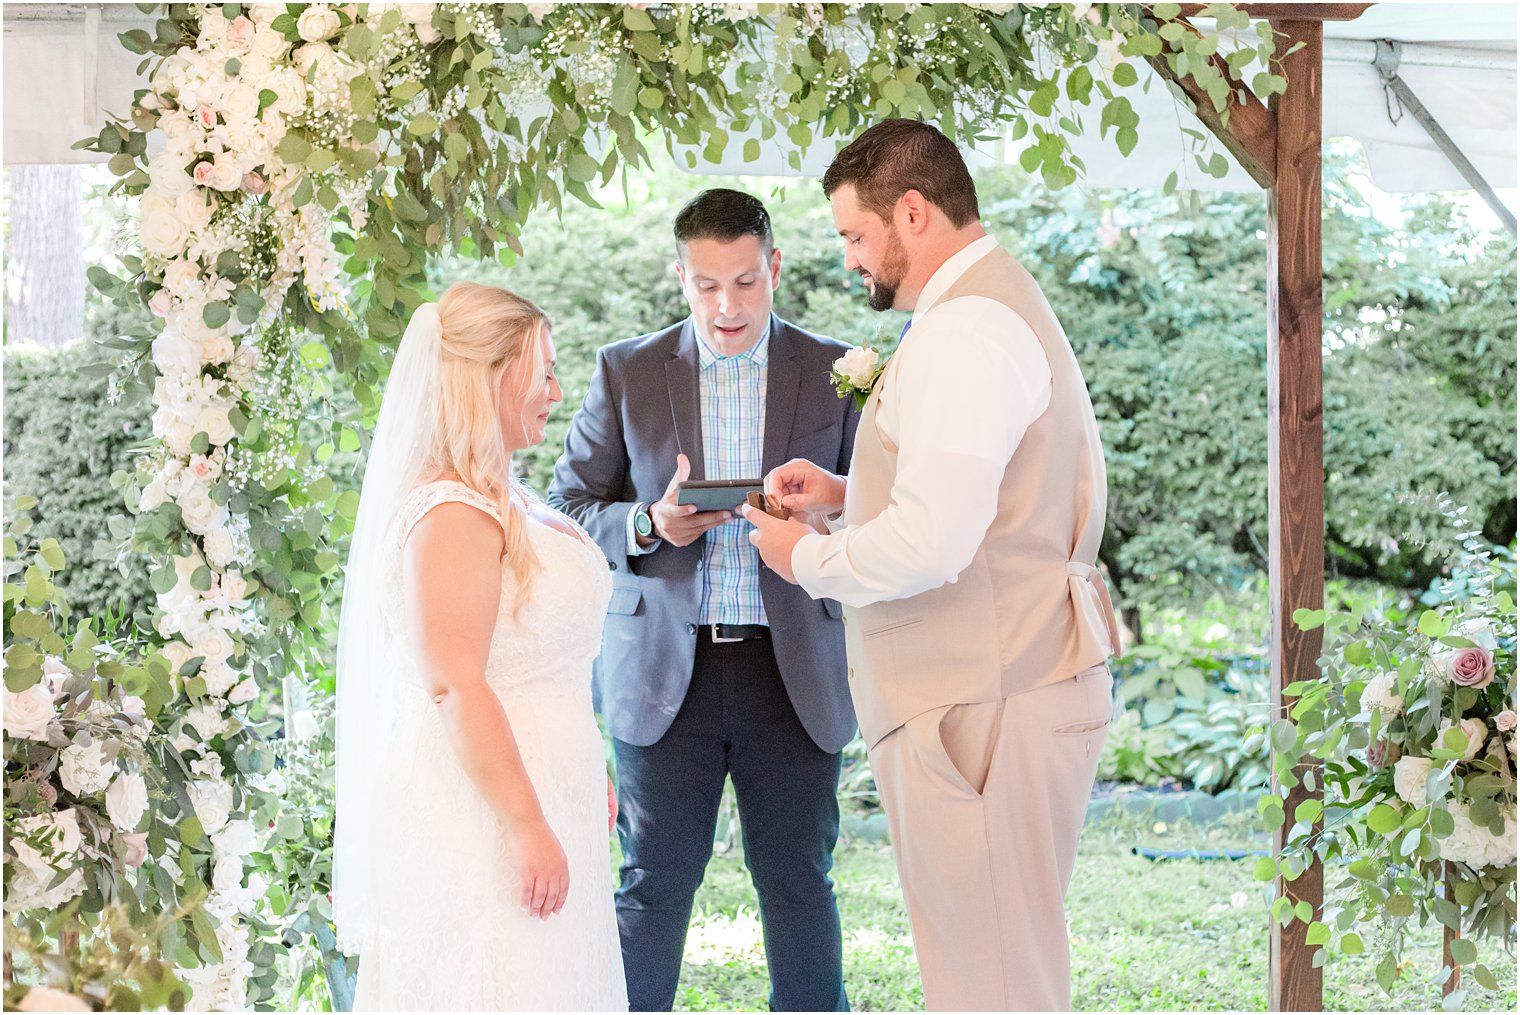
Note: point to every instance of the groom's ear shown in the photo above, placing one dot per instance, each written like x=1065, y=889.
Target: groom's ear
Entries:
x=775, y=269
x=680, y=271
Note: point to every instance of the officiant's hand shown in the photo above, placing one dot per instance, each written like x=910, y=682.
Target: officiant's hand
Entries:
x=801, y=486
x=682, y=524
x=775, y=539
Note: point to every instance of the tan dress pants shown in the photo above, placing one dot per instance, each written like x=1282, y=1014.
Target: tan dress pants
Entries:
x=985, y=802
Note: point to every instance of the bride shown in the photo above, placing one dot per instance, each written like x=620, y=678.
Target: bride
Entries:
x=472, y=867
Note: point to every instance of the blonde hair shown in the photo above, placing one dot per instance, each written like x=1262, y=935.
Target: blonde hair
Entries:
x=486, y=333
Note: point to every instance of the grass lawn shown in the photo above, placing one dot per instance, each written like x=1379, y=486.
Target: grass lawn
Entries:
x=1175, y=935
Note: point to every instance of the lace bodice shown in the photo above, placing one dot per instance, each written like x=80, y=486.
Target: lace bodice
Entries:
x=545, y=644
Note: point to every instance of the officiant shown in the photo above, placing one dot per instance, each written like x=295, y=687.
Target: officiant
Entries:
x=713, y=668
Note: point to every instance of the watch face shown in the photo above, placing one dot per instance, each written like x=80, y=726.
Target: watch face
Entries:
x=642, y=523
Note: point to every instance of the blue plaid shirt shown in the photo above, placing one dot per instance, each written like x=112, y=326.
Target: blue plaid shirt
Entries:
x=733, y=440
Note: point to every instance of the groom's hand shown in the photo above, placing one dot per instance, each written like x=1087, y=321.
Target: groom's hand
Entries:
x=682, y=524
x=775, y=539
x=801, y=486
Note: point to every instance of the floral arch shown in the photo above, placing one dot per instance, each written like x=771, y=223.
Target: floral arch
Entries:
x=297, y=165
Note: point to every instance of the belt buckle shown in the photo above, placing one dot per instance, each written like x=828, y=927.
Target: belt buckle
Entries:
x=716, y=640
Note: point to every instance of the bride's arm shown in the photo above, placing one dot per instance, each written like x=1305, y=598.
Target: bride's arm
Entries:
x=452, y=576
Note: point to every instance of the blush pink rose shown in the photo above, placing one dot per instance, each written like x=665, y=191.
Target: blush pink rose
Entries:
x=1505, y=720
x=203, y=172
x=242, y=30
x=205, y=115
x=1472, y=667
x=254, y=184
x=137, y=848
x=160, y=303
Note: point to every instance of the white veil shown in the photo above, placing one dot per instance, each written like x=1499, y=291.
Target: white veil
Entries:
x=367, y=679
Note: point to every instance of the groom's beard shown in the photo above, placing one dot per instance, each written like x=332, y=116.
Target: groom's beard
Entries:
x=882, y=293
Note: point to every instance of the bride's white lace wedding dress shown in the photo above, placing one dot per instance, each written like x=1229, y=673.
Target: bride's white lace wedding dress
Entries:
x=449, y=930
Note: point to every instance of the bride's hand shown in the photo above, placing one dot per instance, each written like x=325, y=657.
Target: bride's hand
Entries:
x=545, y=873
x=612, y=810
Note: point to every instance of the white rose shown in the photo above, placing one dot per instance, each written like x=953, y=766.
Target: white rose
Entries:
x=228, y=874
x=244, y=692
x=1379, y=695
x=48, y=999
x=60, y=833
x=1409, y=774
x=184, y=744
x=163, y=230
x=212, y=800
x=216, y=349
x=207, y=720
x=1473, y=729
x=28, y=713
x=215, y=645
x=213, y=421
x=86, y=770
x=311, y=54
x=126, y=801
x=416, y=13
x=227, y=172
x=132, y=705
x=232, y=589
x=318, y=22
x=153, y=494
x=237, y=839
x=180, y=274
x=195, y=210
x=178, y=654
x=220, y=547
x=858, y=366
x=174, y=353
x=289, y=88
x=168, y=175
x=270, y=44
x=303, y=727
x=427, y=33
x=201, y=514
x=539, y=11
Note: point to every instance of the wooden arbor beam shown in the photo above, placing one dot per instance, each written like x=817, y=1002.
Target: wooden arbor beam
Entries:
x=1295, y=452
x=1297, y=12
x=1248, y=132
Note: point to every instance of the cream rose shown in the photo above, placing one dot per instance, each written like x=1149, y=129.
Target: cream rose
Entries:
x=858, y=366
x=212, y=801
x=1505, y=721
x=219, y=678
x=163, y=229
x=213, y=421
x=215, y=645
x=201, y=514
x=126, y=801
x=86, y=770
x=180, y=275
x=226, y=172
x=237, y=839
x=1409, y=774
x=1473, y=729
x=270, y=44
x=174, y=353
x=167, y=176
x=1378, y=694
x=207, y=720
x=228, y=873
x=28, y=712
x=318, y=22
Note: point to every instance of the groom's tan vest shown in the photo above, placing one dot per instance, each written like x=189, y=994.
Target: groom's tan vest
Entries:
x=1031, y=609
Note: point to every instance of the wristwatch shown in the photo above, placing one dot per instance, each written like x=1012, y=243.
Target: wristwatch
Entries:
x=642, y=523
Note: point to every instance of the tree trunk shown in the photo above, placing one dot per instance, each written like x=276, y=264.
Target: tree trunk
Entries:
x=44, y=271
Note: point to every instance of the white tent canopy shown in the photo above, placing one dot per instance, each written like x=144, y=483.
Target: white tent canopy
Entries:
x=65, y=70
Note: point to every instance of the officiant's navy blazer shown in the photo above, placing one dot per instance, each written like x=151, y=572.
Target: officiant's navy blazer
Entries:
x=643, y=407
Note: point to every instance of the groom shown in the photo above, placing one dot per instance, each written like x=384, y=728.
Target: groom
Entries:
x=711, y=667
x=978, y=627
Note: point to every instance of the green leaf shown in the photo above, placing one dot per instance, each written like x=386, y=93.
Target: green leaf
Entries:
x=1383, y=819
x=1265, y=869
x=1317, y=934
x=1284, y=735
x=348, y=504
x=1433, y=624
x=1485, y=977
x=1309, y=620
x=216, y=314
x=422, y=125
x=635, y=19
x=1124, y=75
x=1351, y=944
x=1463, y=951
x=190, y=831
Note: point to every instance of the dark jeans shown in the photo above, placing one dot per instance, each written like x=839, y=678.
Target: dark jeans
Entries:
x=736, y=721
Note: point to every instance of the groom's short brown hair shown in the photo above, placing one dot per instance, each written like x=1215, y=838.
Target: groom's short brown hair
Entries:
x=896, y=156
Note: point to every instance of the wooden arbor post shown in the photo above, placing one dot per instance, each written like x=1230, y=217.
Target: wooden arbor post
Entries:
x=1295, y=454
x=1279, y=146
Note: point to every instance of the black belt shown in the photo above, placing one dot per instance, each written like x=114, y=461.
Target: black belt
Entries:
x=720, y=634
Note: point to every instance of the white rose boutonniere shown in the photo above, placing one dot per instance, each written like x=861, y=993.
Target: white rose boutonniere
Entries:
x=856, y=373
